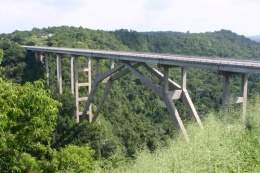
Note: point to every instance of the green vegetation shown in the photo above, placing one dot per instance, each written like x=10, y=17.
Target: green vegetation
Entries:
x=38, y=131
x=27, y=121
x=224, y=146
x=28, y=117
x=73, y=159
x=14, y=60
x=1, y=55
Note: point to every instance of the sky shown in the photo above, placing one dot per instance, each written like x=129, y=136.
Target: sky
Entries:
x=240, y=16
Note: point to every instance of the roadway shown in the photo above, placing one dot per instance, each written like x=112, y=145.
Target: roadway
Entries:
x=209, y=63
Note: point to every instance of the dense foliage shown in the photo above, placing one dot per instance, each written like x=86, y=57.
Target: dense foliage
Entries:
x=28, y=117
x=133, y=120
x=13, y=60
x=223, y=146
x=27, y=121
x=1, y=55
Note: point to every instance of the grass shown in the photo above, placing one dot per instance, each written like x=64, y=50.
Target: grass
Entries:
x=224, y=146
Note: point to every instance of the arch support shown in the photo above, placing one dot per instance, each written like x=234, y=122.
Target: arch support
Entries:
x=186, y=97
x=167, y=89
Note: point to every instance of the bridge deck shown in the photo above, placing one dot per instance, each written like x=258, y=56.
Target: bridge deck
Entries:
x=210, y=63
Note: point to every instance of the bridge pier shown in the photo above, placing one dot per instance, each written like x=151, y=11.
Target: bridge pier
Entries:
x=226, y=89
x=170, y=104
x=227, y=100
x=59, y=73
x=44, y=60
x=72, y=76
x=47, y=70
x=244, y=90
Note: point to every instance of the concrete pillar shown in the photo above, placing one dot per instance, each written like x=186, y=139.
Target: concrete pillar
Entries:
x=184, y=78
x=90, y=113
x=244, y=94
x=72, y=85
x=76, y=75
x=170, y=104
x=112, y=64
x=226, y=89
x=47, y=70
x=59, y=74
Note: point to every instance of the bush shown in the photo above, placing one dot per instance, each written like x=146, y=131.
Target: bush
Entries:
x=73, y=159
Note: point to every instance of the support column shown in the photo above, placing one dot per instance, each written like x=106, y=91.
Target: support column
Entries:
x=186, y=97
x=72, y=75
x=226, y=90
x=47, y=70
x=112, y=65
x=244, y=94
x=184, y=78
x=169, y=103
x=76, y=90
x=90, y=113
x=59, y=74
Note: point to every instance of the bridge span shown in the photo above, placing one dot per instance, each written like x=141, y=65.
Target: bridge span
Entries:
x=123, y=63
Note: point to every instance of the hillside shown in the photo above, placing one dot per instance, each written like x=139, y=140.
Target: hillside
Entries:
x=133, y=118
x=220, y=43
x=255, y=38
x=224, y=146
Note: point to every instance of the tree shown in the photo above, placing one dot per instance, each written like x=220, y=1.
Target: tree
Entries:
x=1, y=59
x=27, y=120
x=13, y=60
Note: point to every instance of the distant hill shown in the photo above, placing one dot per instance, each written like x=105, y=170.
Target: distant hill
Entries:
x=255, y=38
x=221, y=43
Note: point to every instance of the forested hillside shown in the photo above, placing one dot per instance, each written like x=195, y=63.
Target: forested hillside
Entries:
x=132, y=119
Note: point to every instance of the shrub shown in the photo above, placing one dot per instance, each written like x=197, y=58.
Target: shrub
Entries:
x=73, y=159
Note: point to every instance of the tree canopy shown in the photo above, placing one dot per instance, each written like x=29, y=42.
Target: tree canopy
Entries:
x=28, y=118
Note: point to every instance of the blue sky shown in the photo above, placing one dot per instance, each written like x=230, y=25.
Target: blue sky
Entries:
x=240, y=16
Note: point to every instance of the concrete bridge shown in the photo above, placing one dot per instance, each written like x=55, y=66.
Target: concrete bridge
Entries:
x=123, y=63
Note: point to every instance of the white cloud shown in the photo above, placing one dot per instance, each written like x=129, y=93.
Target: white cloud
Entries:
x=240, y=16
